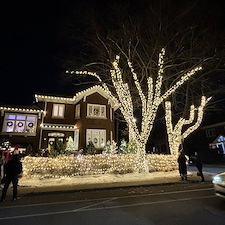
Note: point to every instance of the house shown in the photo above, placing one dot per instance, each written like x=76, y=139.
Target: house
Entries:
x=215, y=135
x=87, y=116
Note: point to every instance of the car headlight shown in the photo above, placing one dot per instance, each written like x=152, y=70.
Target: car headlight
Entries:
x=217, y=179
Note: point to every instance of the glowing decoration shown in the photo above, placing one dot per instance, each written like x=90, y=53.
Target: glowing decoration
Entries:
x=175, y=133
x=70, y=146
x=67, y=166
x=58, y=127
x=97, y=88
x=110, y=148
x=21, y=110
x=150, y=101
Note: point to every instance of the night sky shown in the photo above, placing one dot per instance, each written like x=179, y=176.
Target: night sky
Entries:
x=29, y=48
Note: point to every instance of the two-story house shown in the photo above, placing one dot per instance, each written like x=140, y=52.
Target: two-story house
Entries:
x=87, y=116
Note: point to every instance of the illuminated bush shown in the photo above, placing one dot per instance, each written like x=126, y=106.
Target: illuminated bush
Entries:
x=66, y=166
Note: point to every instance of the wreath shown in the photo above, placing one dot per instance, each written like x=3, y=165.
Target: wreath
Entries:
x=9, y=124
x=95, y=140
x=30, y=125
x=20, y=124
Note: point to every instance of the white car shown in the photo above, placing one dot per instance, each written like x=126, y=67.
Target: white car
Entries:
x=219, y=184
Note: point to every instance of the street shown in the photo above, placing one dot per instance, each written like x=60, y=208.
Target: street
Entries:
x=183, y=203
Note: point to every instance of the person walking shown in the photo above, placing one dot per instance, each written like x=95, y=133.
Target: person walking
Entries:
x=2, y=169
x=198, y=164
x=12, y=169
x=182, y=165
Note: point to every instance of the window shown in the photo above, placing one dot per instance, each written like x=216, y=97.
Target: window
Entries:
x=94, y=110
x=98, y=137
x=20, y=123
x=111, y=114
x=76, y=139
x=58, y=110
x=77, y=111
x=210, y=133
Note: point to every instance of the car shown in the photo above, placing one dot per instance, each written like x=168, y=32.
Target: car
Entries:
x=219, y=184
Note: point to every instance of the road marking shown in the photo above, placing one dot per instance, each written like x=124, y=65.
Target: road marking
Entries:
x=100, y=199
x=87, y=208
x=151, y=203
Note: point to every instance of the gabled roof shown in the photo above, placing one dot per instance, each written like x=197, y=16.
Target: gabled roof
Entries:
x=78, y=96
x=213, y=125
x=220, y=138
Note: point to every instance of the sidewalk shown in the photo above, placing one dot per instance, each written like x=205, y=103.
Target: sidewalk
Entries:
x=105, y=181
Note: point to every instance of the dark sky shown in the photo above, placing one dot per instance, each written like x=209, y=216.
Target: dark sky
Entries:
x=28, y=48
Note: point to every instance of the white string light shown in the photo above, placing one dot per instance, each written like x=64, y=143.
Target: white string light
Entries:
x=67, y=166
x=150, y=102
x=21, y=110
x=175, y=135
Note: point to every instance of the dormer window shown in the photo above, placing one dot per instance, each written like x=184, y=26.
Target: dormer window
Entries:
x=96, y=111
x=58, y=110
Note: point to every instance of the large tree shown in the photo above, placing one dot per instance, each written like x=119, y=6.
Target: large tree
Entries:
x=123, y=50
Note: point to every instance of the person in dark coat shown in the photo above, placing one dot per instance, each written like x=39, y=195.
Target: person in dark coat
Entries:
x=12, y=169
x=182, y=165
x=198, y=164
x=2, y=169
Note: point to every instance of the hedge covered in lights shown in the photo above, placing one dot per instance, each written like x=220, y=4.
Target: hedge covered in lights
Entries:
x=65, y=166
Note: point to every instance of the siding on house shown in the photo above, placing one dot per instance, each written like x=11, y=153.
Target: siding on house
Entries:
x=56, y=118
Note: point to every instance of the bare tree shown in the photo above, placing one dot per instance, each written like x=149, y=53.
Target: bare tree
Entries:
x=184, y=127
x=149, y=101
x=123, y=51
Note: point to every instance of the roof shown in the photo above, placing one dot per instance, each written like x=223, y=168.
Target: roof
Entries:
x=78, y=96
x=213, y=125
x=23, y=109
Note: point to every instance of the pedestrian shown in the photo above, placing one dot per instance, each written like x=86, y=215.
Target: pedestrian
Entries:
x=2, y=170
x=198, y=164
x=182, y=165
x=12, y=170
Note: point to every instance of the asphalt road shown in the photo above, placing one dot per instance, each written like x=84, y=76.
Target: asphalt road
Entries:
x=184, y=203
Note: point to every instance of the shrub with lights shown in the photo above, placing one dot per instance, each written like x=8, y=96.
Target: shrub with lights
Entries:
x=70, y=146
x=110, y=148
x=65, y=166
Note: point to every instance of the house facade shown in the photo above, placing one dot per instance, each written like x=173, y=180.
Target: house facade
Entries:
x=87, y=116
x=215, y=135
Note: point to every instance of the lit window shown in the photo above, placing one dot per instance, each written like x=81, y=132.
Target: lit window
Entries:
x=20, y=123
x=97, y=111
x=58, y=110
x=97, y=137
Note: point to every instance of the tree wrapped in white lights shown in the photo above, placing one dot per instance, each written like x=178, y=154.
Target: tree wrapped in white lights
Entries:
x=176, y=134
x=70, y=146
x=150, y=100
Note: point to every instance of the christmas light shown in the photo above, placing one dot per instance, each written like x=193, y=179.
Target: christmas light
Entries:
x=97, y=88
x=150, y=101
x=57, y=127
x=175, y=133
x=67, y=166
x=22, y=110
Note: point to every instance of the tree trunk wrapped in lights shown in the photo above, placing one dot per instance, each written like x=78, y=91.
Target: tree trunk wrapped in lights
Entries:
x=176, y=134
x=150, y=101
